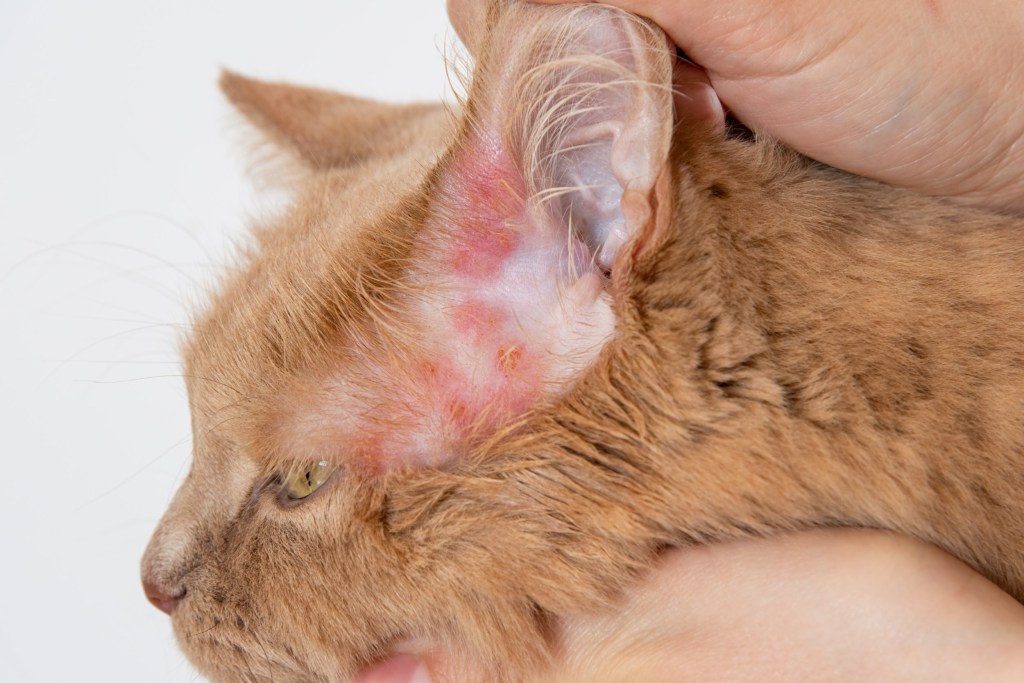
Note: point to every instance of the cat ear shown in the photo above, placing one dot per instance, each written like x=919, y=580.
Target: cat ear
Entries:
x=578, y=101
x=469, y=18
x=326, y=129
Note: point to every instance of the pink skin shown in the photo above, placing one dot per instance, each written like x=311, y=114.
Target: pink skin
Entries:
x=504, y=302
x=485, y=200
x=506, y=274
x=501, y=262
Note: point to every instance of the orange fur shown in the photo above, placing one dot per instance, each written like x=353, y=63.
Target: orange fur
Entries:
x=793, y=347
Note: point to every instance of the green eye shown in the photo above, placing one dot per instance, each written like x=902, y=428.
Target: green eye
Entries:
x=301, y=481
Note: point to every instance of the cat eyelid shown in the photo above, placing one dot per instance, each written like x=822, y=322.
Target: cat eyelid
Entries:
x=299, y=484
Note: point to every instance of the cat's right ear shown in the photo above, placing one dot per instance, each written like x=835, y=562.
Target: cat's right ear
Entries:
x=327, y=129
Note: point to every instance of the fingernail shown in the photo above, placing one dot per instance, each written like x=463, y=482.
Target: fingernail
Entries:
x=699, y=101
x=695, y=98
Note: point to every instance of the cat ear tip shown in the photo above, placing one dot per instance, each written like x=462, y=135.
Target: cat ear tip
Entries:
x=241, y=89
x=230, y=80
x=232, y=84
x=248, y=95
x=227, y=75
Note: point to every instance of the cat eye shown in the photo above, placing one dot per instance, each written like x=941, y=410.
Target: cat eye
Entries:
x=303, y=480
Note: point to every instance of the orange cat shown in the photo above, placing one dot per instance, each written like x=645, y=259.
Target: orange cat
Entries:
x=488, y=364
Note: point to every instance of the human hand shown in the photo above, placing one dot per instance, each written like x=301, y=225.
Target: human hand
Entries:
x=831, y=605
x=925, y=95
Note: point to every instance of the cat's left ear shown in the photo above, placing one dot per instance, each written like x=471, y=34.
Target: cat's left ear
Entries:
x=328, y=129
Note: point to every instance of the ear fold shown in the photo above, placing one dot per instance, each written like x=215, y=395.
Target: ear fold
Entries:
x=326, y=129
x=580, y=99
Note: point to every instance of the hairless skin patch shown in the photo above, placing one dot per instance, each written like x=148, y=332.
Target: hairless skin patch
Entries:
x=506, y=305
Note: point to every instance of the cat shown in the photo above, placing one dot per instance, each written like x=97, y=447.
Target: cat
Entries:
x=490, y=362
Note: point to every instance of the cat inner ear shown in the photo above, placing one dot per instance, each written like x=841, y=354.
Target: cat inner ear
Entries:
x=327, y=129
x=577, y=100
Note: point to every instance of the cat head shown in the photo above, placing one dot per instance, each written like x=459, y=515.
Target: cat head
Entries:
x=410, y=402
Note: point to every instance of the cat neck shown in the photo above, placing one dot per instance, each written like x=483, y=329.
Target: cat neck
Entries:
x=820, y=347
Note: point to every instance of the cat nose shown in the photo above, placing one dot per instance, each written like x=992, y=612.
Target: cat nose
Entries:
x=163, y=597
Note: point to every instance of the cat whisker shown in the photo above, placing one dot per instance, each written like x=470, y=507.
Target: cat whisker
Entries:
x=266, y=657
x=131, y=477
x=103, y=340
x=457, y=67
x=70, y=247
x=136, y=321
x=111, y=361
x=127, y=381
x=196, y=634
x=251, y=678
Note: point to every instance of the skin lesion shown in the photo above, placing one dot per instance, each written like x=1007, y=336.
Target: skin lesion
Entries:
x=477, y=254
x=482, y=201
x=475, y=320
x=508, y=359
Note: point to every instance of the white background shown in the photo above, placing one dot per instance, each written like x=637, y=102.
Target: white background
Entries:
x=121, y=190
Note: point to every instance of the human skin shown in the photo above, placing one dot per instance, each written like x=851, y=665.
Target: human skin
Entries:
x=923, y=94
x=823, y=605
x=836, y=605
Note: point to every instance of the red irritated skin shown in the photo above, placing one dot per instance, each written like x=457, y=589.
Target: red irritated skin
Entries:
x=484, y=211
x=493, y=336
